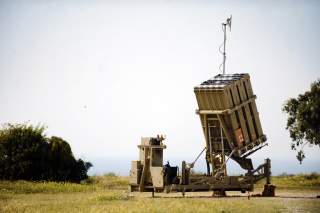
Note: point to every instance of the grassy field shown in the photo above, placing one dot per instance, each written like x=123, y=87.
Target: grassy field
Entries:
x=109, y=193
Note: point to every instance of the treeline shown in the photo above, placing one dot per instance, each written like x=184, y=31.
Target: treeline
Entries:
x=26, y=153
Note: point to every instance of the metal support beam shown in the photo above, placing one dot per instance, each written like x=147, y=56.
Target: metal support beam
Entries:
x=144, y=170
x=225, y=130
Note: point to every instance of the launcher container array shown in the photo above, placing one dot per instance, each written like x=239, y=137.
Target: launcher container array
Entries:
x=229, y=118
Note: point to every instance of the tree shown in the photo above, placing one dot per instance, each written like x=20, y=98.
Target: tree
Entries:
x=304, y=119
x=23, y=152
x=62, y=160
x=26, y=153
x=64, y=165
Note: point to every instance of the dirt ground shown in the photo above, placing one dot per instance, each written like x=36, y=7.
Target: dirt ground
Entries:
x=283, y=194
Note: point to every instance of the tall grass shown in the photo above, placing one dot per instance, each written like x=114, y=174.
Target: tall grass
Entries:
x=95, y=183
x=300, y=181
x=112, y=182
x=26, y=187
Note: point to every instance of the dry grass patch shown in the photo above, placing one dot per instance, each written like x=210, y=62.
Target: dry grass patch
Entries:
x=108, y=193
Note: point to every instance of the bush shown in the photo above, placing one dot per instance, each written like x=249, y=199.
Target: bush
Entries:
x=26, y=153
x=110, y=174
x=312, y=176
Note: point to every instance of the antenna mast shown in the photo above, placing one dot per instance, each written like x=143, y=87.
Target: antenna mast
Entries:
x=224, y=29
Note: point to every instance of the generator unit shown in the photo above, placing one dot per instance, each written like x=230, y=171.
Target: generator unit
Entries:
x=147, y=172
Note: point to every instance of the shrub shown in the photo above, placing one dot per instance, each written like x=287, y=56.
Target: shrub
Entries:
x=26, y=153
x=312, y=176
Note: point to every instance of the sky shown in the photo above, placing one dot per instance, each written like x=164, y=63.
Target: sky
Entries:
x=102, y=74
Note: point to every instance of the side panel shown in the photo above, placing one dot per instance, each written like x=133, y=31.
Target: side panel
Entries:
x=248, y=115
x=157, y=176
x=256, y=117
x=252, y=107
x=135, y=172
x=239, y=113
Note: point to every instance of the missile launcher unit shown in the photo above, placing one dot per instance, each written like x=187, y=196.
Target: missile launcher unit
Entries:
x=232, y=130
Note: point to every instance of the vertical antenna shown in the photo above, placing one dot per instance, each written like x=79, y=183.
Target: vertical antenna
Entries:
x=224, y=28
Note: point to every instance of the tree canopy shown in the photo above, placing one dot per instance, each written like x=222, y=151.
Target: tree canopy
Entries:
x=304, y=119
x=26, y=153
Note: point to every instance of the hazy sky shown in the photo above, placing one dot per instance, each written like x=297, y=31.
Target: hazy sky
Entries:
x=101, y=74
